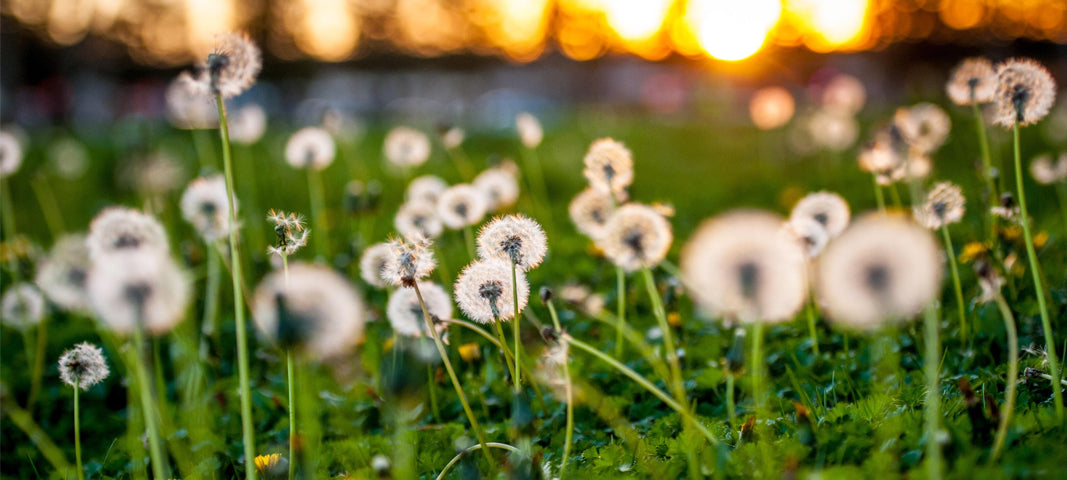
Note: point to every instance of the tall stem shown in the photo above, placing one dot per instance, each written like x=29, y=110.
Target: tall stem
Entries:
x=1013, y=374
x=77, y=433
x=211, y=295
x=955, y=281
x=515, y=327
x=503, y=344
x=247, y=432
x=291, y=376
x=932, y=410
x=52, y=216
x=731, y=409
x=568, y=391
x=38, y=362
x=155, y=447
x=987, y=167
x=809, y=307
x=536, y=178
x=878, y=197
x=318, y=211
x=620, y=308
x=1039, y=287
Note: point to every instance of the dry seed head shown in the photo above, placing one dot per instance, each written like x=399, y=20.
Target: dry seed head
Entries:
x=10, y=154
x=1046, y=172
x=461, y=206
x=63, y=273
x=231, y=68
x=827, y=208
x=417, y=220
x=405, y=312
x=500, y=188
x=83, y=366
x=412, y=261
x=406, y=147
x=635, y=236
x=22, y=306
x=609, y=167
x=484, y=291
x=135, y=288
x=1025, y=92
x=972, y=81
x=204, y=205
x=425, y=188
x=514, y=238
x=924, y=126
x=311, y=148
x=373, y=262
x=529, y=128
x=590, y=210
x=944, y=205
x=121, y=229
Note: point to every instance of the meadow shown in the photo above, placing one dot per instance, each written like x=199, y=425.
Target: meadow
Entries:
x=811, y=398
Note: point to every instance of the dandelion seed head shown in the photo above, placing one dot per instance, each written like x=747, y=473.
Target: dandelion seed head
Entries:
x=461, y=206
x=311, y=148
x=406, y=147
x=142, y=287
x=290, y=233
x=373, y=262
x=744, y=266
x=529, y=128
x=83, y=366
x=412, y=261
x=1046, y=172
x=844, y=94
x=944, y=205
x=23, y=306
x=826, y=208
x=484, y=291
x=811, y=234
x=973, y=81
x=882, y=269
x=405, y=312
x=418, y=220
x=1025, y=92
x=924, y=126
x=833, y=130
x=204, y=205
x=590, y=210
x=187, y=107
x=10, y=154
x=550, y=368
x=500, y=188
x=425, y=189
x=231, y=68
x=635, y=236
x=62, y=274
x=247, y=124
x=609, y=167
x=514, y=238
x=118, y=229
x=452, y=137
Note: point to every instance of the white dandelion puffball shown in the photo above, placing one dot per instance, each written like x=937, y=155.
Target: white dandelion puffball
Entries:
x=882, y=269
x=529, y=128
x=973, y=81
x=609, y=167
x=83, y=366
x=590, y=210
x=1047, y=172
x=10, y=154
x=744, y=266
x=310, y=147
x=138, y=287
x=187, y=107
x=315, y=311
x=500, y=188
x=1025, y=92
x=406, y=147
x=247, y=124
x=635, y=237
x=425, y=189
x=452, y=138
x=231, y=68
x=22, y=306
x=418, y=220
x=461, y=206
x=944, y=205
x=845, y=94
x=118, y=229
x=62, y=274
x=827, y=208
x=373, y=262
x=411, y=261
x=484, y=291
x=204, y=205
x=811, y=234
x=514, y=238
x=924, y=126
x=833, y=130
x=405, y=312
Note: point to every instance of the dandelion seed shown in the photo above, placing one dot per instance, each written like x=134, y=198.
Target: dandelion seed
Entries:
x=138, y=289
x=500, y=188
x=412, y=261
x=590, y=210
x=742, y=266
x=83, y=366
x=418, y=220
x=609, y=167
x=311, y=148
x=973, y=81
x=118, y=229
x=882, y=269
x=515, y=238
x=10, y=154
x=484, y=291
x=529, y=128
x=635, y=237
x=1025, y=92
x=944, y=205
x=1047, y=172
x=461, y=206
x=187, y=108
x=405, y=311
x=827, y=208
x=373, y=262
x=316, y=310
x=23, y=306
x=204, y=205
x=406, y=147
x=425, y=189
x=62, y=274
x=844, y=94
x=247, y=124
x=924, y=126
x=231, y=68
x=290, y=232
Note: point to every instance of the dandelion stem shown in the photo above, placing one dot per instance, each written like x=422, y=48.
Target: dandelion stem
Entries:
x=1039, y=288
x=515, y=330
x=503, y=344
x=620, y=308
x=955, y=280
x=52, y=216
x=433, y=393
x=932, y=405
x=809, y=307
x=452, y=374
x=38, y=361
x=1013, y=374
x=638, y=341
x=459, y=456
x=536, y=179
x=731, y=409
x=155, y=447
x=756, y=368
x=987, y=166
x=318, y=212
x=568, y=391
x=247, y=432
x=462, y=163
x=291, y=376
x=894, y=194
x=211, y=295
x=878, y=197
x=77, y=432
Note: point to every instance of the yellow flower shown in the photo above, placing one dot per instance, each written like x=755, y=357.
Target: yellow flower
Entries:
x=470, y=352
x=675, y=319
x=1040, y=239
x=267, y=462
x=972, y=251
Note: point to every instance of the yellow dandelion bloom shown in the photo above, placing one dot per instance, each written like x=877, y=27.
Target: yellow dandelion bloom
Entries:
x=267, y=462
x=972, y=251
x=470, y=352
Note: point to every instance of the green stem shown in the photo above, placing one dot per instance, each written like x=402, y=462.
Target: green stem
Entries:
x=462, y=163
x=24, y=421
x=155, y=447
x=878, y=197
x=809, y=307
x=52, y=216
x=659, y=365
x=318, y=212
x=731, y=409
x=536, y=178
x=568, y=391
x=291, y=376
x=1013, y=374
x=211, y=294
x=77, y=432
x=433, y=394
x=247, y=431
x=38, y=362
x=620, y=308
x=459, y=456
x=932, y=408
x=515, y=326
x=1031, y=254
x=468, y=238
x=987, y=168
x=7, y=219
x=756, y=369
x=503, y=344
x=1061, y=191
x=894, y=194
x=955, y=281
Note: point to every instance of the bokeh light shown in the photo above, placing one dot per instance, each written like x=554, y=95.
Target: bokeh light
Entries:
x=771, y=108
x=733, y=30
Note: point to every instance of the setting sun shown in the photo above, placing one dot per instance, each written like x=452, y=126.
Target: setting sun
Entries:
x=730, y=30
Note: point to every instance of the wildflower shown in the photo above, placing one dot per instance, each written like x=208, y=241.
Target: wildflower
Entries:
x=425, y=189
x=530, y=132
x=973, y=251
x=742, y=266
x=925, y=126
x=412, y=261
x=204, y=205
x=635, y=236
x=62, y=274
x=833, y=130
x=590, y=210
x=609, y=167
x=117, y=229
x=516, y=238
x=405, y=311
x=461, y=206
x=418, y=220
x=844, y=94
x=406, y=147
x=943, y=206
x=373, y=262
x=10, y=154
x=484, y=291
x=187, y=108
x=231, y=68
x=290, y=231
x=771, y=108
x=83, y=366
x=972, y=81
x=812, y=235
x=138, y=289
x=247, y=124
x=316, y=310
x=22, y=306
x=827, y=208
x=1047, y=172
x=879, y=270
x=470, y=352
x=1025, y=92
x=500, y=188
x=311, y=148
x=271, y=465
x=452, y=137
